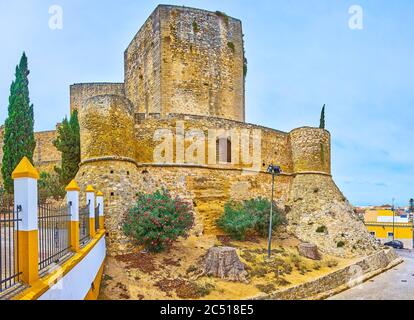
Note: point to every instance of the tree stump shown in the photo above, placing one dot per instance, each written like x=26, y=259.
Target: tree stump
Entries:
x=309, y=250
x=224, y=263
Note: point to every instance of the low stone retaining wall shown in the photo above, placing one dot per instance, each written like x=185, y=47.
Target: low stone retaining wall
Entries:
x=338, y=280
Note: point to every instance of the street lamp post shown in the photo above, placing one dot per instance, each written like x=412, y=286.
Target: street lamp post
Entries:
x=273, y=170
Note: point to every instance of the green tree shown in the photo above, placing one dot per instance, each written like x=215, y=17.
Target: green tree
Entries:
x=19, y=140
x=68, y=143
x=50, y=187
x=322, y=121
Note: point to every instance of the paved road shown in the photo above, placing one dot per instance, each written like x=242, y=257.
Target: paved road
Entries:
x=396, y=283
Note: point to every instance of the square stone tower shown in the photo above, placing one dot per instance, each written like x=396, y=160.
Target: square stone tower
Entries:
x=187, y=61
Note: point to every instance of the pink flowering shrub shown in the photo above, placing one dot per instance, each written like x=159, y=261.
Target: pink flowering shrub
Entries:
x=157, y=220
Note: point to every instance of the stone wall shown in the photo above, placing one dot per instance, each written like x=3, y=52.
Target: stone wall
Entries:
x=274, y=145
x=106, y=127
x=142, y=61
x=186, y=60
x=311, y=150
x=110, y=135
x=319, y=213
x=207, y=189
x=80, y=92
x=45, y=156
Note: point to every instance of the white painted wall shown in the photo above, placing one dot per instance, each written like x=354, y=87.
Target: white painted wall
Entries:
x=390, y=219
x=77, y=282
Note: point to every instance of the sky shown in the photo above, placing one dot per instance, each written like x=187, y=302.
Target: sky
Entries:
x=301, y=54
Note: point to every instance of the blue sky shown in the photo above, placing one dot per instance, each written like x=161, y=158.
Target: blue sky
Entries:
x=301, y=54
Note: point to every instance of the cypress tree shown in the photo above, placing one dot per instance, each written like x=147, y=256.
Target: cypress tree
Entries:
x=68, y=143
x=322, y=121
x=19, y=140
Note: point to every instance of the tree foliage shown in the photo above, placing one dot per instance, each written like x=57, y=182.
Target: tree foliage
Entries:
x=19, y=140
x=249, y=216
x=50, y=187
x=322, y=120
x=68, y=143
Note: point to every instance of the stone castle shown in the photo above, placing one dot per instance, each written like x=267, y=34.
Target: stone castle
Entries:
x=185, y=70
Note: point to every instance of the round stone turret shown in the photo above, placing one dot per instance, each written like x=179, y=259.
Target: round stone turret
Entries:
x=106, y=128
x=311, y=150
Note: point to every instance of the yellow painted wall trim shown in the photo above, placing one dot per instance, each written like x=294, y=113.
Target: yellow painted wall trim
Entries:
x=72, y=186
x=42, y=285
x=74, y=236
x=25, y=170
x=101, y=222
x=92, y=230
x=28, y=256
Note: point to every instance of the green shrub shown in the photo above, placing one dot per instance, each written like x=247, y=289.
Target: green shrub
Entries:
x=50, y=187
x=340, y=244
x=241, y=218
x=196, y=28
x=260, y=209
x=231, y=46
x=157, y=220
x=321, y=229
x=236, y=221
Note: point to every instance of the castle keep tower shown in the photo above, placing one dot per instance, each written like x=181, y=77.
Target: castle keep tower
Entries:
x=187, y=61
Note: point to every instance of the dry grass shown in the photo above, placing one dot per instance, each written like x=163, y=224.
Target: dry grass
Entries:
x=175, y=274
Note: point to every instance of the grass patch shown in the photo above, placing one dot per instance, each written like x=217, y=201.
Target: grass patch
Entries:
x=196, y=28
x=231, y=46
x=266, y=288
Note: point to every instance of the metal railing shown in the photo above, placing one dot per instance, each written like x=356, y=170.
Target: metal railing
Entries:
x=97, y=217
x=9, y=239
x=84, y=235
x=54, y=233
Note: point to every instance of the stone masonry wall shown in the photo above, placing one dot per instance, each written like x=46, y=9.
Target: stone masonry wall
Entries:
x=45, y=156
x=106, y=127
x=142, y=61
x=111, y=139
x=80, y=92
x=207, y=189
x=311, y=150
x=274, y=147
x=189, y=61
x=319, y=213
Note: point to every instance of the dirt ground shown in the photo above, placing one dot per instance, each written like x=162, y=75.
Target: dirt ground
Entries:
x=175, y=274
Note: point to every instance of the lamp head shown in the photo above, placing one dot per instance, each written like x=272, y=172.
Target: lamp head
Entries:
x=273, y=169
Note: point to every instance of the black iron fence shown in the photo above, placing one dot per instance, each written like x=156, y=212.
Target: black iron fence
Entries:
x=9, y=239
x=97, y=217
x=84, y=236
x=54, y=233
